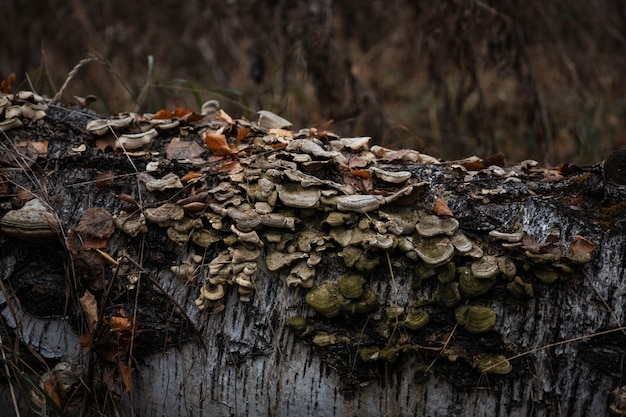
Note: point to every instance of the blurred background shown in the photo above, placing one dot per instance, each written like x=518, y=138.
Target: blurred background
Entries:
x=541, y=79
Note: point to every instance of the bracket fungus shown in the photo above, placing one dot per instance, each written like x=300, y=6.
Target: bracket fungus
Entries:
x=33, y=223
x=292, y=204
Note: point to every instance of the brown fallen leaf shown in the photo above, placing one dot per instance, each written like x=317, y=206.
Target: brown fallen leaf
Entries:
x=217, y=144
x=50, y=387
x=190, y=176
x=163, y=114
x=360, y=173
x=440, y=208
x=96, y=227
x=187, y=115
x=104, y=143
x=231, y=167
x=181, y=150
x=125, y=372
x=224, y=117
x=5, y=85
x=97, y=222
x=582, y=246
x=90, y=308
x=242, y=132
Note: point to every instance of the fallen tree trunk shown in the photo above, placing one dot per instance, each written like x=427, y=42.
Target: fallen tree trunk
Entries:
x=432, y=288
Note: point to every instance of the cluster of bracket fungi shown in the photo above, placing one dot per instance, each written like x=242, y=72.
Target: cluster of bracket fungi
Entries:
x=297, y=197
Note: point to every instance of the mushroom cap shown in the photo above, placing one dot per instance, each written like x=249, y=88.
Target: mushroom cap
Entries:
x=351, y=286
x=32, y=223
x=164, y=214
x=470, y=286
x=298, y=197
x=416, y=319
x=493, y=364
x=434, y=251
x=324, y=299
x=475, y=319
x=461, y=242
x=212, y=292
x=485, y=268
x=430, y=225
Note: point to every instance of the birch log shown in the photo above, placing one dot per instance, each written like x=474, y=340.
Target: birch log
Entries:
x=151, y=352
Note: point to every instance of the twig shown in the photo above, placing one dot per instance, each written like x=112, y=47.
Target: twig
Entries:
x=71, y=76
x=551, y=345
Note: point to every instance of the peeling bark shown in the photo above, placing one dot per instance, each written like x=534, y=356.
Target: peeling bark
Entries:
x=246, y=361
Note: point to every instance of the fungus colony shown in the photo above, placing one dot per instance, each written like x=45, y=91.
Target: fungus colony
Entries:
x=285, y=201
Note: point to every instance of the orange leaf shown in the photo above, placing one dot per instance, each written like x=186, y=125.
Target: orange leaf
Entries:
x=224, y=117
x=474, y=165
x=581, y=246
x=190, y=176
x=5, y=85
x=440, y=208
x=242, y=132
x=163, y=114
x=181, y=111
x=186, y=114
x=50, y=387
x=217, y=143
x=125, y=372
x=119, y=324
x=360, y=173
x=232, y=167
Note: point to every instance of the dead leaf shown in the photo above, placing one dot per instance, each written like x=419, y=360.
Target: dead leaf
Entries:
x=224, y=117
x=440, y=208
x=242, y=132
x=530, y=244
x=190, y=176
x=181, y=150
x=231, y=167
x=566, y=169
x=88, y=265
x=96, y=227
x=105, y=179
x=581, y=246
x=90, y=307
x=119, y=324
x=97, y=222
x=49, y=386
x=5, y=85
x=41, y=147
x=187, y=115
x=217, y=144
x=495, y=159
x=358, y=162
x=125, y=372
x=163, y=115
x=282, y=132
x=360, y=173
x=26, y=152
x=104, y=143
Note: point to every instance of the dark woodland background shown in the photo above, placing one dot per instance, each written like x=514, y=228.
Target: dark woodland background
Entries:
x=542, y=79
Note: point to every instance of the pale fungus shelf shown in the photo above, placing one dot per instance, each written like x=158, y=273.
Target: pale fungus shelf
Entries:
x=277, y=202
